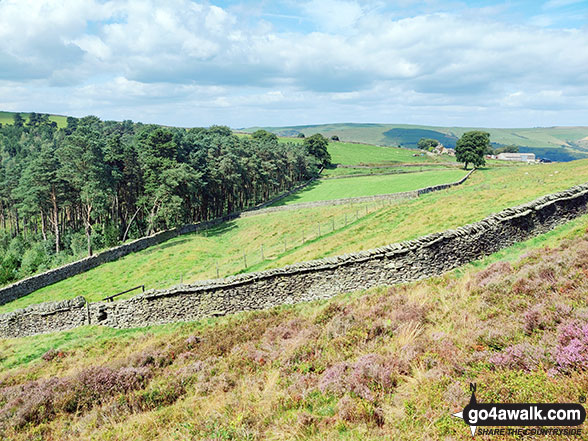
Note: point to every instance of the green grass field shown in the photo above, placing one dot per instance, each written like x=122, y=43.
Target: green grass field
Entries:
x=329, y=189
x=195, y=256
x=369, y=170
x=351, y=154
x=8, y=118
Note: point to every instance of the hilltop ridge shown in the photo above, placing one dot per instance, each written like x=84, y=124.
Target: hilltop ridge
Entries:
x=556, y=143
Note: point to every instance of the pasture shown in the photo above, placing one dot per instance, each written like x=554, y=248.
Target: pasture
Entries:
x=329, y=189
x=195, y=256
x=8, y=118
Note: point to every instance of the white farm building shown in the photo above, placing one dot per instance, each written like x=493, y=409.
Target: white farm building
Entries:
x=522, y=157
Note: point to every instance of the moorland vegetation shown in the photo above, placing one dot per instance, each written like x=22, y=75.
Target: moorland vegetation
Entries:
x=388, y=363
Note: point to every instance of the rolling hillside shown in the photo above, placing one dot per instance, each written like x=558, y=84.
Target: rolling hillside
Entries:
x=555, y=143
x=383, y=364
x=291, y=237
x=8, y=118
x=330, y=189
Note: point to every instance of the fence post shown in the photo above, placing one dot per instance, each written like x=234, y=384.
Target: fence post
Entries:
x=333, y=224
x=303, y=237
x=244, y=259
x=319, y=229
x=262, y=258
x=217, y=271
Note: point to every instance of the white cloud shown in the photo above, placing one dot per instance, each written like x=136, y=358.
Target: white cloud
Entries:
x=139, y=55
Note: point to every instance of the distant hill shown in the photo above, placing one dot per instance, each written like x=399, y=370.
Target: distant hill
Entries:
x=8, y=118
x=555, y=143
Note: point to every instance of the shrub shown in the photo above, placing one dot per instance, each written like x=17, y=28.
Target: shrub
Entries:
x=571, y=352
x=78, y=243
x=98, y=241
x=192, y=341
x=370, y=375
x=32, y=259
x=536, y=317
x=39, y=401
x=17, y=247
x=523, y=356
x=111, y=235
x=152, y=358
x=93, y=385
x=9, y=268
x=51, y=354
x=493, y=273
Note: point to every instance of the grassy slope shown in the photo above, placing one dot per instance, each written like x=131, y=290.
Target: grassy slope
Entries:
x=379, y=170
x=7, y=118
x=349, y=154
x=540, y=140
x=485, y=192
x=195, y=256
x=381, y=365
x=329, y=189
x=223, y=247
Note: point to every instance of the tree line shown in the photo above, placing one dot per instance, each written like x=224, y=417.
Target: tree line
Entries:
x=94, y=184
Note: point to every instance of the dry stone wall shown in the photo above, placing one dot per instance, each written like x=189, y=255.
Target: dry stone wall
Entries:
x=33, y=283
x=30, y=284
x=361, y=199
x=402, y=262
x=45, y=317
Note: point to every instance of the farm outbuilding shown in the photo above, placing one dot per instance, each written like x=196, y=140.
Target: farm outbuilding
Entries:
x=522, y=157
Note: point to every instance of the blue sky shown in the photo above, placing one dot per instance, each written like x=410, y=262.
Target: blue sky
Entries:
x=243, y=63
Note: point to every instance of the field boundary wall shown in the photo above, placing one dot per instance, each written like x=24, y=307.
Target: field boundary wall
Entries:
x=30, y=284
x=411, y=260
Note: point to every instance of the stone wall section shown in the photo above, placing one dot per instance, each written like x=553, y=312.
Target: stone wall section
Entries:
x=402, y=262
x=361, y=199
x=45, y=317
x=30, y=284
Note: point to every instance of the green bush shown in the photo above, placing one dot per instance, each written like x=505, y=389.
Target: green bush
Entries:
x=32, y=259
x=9, y=268
x=17, y=248
x=98, y=240
x=111, y=235
x=78, y=243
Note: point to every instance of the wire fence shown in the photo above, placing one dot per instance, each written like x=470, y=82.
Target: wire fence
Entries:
x=260, y=254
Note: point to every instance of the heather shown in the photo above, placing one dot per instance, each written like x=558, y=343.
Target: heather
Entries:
x=389, y=363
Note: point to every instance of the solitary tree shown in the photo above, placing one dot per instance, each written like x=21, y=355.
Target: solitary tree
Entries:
x=427, y=143
x=316, y=145
x=471, y=148
x=511, y=148
x=264, y=135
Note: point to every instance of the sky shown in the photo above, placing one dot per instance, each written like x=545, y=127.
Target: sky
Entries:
x=280, y=63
